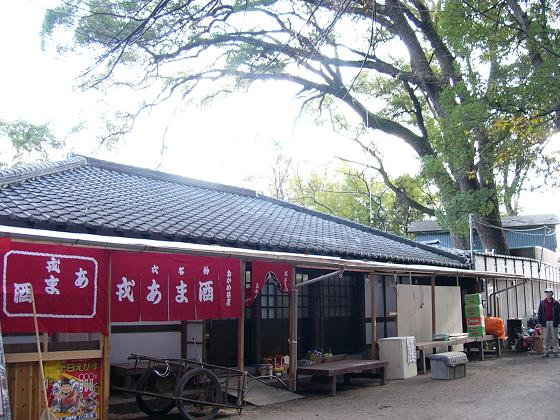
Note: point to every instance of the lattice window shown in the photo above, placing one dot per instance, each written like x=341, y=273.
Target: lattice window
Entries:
x=303, y=296
x=274, y=304
x=337, y=297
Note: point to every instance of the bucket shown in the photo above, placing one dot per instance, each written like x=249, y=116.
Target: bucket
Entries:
x=265, y=369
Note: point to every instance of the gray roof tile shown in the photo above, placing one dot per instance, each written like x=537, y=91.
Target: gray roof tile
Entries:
x=117, y=199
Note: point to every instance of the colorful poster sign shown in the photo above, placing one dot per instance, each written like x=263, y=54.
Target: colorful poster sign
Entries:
x=69, y=284
x=74, y=388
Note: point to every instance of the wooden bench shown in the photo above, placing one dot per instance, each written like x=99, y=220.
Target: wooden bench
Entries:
x=422, y=346
x=127, y=373
x=479, y=342
x=347, y=368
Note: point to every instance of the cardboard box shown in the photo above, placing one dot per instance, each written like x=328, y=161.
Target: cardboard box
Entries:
x=476, y=330
x=475, y=320
x=474, y=299
x=474, y=310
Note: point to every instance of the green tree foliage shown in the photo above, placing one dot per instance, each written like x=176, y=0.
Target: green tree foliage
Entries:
x=470, y=86
x=355, y=196
x=27, y=141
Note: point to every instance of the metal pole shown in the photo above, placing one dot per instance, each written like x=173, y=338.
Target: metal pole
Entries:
x=471, y=238
x=323, y=277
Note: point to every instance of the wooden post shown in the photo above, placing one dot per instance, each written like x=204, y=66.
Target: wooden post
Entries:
x=495, y=297
x=106, y=374
x=241, y=324
x=184, y=339
x=385, y=333
x=292, y=379
x=256, y=324
x=373, y=307
x=433, y=304
x=106, y=347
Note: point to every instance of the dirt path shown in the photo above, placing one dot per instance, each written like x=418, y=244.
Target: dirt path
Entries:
x=519, y=386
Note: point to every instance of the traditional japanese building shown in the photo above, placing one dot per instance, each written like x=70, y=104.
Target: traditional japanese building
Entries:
x=85, y=195
x=281, y=246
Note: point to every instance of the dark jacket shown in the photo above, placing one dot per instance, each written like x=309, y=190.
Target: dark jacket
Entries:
x=555, y=313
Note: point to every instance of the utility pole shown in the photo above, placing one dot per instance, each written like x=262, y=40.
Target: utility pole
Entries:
x=471, y=238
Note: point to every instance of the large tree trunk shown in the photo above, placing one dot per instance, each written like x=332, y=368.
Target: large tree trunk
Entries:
x=493, y=239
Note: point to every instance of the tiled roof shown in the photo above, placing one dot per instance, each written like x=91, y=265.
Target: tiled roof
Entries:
x=533, y=220
x=88, y=195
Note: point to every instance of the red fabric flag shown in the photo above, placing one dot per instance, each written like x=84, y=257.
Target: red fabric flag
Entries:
x=263, y=271
x=207, y=287
x=181, y=289
x=69, y=284
x=125, y=286
x=154, y=291
x=230, y=288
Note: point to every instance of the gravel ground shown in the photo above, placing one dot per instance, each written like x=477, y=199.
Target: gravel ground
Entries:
x=514, y=387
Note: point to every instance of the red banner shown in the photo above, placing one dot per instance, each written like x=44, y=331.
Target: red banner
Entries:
x=262, y=271
x=230, y=284
x=174, y=288
x=69, y=284
x=125, y=286
x=181, y=288
x=207, y=288
x=154, y=278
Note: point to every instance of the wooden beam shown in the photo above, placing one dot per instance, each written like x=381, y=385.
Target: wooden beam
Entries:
x=373, y=307
x=106, y=372
x=241, y=335
x=184, y=339
x=495, y=298
x=256, y=321
x=384, y=306
x=106, y=349
x=293, y=344
x=433, y=304
x=241, y=324
x=144, y=329
x=54, y=355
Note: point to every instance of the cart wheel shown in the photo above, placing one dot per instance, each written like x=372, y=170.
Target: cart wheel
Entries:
x=159, y=380
x=200, y=385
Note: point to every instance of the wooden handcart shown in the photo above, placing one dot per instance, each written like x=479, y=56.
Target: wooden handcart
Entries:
x=198, y=390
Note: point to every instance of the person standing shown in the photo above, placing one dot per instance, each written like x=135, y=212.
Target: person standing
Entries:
x=549, y=317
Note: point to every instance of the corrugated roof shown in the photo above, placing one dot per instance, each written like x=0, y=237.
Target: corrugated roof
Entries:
x=93, y=196
x=534, y=220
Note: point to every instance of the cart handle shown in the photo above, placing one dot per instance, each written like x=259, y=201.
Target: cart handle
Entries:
x=163, y=374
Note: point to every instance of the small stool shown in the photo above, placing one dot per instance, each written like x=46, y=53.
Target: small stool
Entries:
x=448, y=366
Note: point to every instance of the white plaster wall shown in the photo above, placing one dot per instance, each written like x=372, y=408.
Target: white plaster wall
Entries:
x=156, y=344
x=414, y=311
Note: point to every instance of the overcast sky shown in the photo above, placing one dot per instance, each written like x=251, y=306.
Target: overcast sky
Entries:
x=233, y=140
